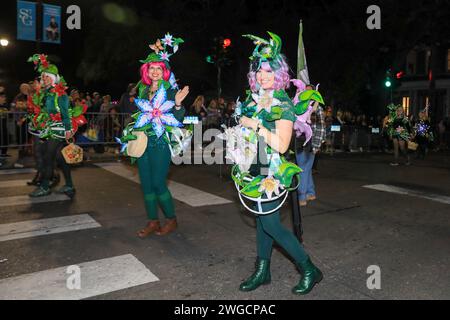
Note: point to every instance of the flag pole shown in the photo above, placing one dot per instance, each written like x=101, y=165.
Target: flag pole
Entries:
x=295, y=195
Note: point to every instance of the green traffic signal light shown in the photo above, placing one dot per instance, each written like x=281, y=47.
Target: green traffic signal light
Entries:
x=209, y=59
x=388, y=83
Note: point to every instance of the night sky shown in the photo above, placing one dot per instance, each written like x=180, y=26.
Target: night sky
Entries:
x=347, y=59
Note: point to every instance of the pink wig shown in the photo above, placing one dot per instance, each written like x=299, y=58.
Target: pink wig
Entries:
x=146, y=66
x=282, y=78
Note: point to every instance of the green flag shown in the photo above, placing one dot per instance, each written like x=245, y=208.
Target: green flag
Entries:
x=302, y=67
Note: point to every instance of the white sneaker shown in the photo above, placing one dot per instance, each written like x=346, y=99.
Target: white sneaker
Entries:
x=394, y=164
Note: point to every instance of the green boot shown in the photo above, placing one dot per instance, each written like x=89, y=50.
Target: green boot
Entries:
x=259, y=277
x=40, y=192
x=311, y=276
x=67, y=190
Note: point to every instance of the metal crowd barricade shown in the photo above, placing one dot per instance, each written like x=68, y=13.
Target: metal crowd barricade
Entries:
x=355, y=138
x=100, y=131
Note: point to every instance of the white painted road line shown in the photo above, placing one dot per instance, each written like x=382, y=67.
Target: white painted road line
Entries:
x=17, y=171
x=43, y=227
x=13, y=183
x=26, y=200
x=96, y=278
x=183, y=193
x=409, y=192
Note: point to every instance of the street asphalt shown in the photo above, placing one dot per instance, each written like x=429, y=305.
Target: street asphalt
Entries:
x=346, y=230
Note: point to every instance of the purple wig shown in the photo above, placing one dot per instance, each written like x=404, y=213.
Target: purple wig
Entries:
x=282, y=78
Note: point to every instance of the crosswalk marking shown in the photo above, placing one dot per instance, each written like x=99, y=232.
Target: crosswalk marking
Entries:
x=17, y=171
x=409, y=192
x=191, y=196
x=13, y=183
x=26, y=200
x=34, y=228
x=96, y=278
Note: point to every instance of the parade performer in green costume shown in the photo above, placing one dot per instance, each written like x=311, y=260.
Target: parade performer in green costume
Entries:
x=266, y=177
x=54, y=122
x=155, y=135
x=399, y=130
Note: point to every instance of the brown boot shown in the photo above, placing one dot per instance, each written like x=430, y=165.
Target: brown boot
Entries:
x=170, y=226
x=152, y=226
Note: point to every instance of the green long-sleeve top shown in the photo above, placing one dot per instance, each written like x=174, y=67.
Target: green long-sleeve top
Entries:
x=53, y=105
x=284, y=111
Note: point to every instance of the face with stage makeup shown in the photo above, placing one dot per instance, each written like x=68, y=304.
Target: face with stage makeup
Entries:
x=47, y=80
x=265, y=78
x=155, y=73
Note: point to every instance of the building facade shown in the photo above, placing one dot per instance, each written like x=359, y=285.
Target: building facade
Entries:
x=426, y=81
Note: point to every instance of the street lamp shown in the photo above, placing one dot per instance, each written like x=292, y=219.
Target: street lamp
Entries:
x=4, y=42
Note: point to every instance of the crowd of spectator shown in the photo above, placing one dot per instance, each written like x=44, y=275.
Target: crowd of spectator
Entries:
x=217, y=113
x=345, y=131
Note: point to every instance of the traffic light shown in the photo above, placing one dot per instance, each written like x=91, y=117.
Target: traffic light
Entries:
x=221, y=52
x=226, y=43
x=400, y=74
x=388, y=79
x=387, y=83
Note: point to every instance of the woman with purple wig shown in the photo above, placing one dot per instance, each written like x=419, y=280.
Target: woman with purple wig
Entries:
x=270, y=113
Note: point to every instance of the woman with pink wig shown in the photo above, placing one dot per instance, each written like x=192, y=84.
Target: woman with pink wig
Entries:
x=270, y=113
x=160, y=112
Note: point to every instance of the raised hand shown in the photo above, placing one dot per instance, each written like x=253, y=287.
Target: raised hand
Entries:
x=181, y=95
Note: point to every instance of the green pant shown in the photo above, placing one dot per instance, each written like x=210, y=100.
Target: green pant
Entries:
x=153, y=169
x=270, y=228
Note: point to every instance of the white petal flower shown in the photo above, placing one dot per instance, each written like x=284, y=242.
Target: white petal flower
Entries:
x=269, y=186
x=168, y=40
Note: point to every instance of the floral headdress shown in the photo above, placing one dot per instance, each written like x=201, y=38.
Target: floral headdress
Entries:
x=41, y=64
x=163, y=49
x=265, y=51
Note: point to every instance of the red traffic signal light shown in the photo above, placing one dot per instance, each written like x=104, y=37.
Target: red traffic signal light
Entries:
x=400, y=74
x=226, y=43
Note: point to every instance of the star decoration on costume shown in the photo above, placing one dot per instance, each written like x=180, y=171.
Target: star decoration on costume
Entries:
x=422, y=129
x=164, y=55
x=157, y=113
x=168, y=40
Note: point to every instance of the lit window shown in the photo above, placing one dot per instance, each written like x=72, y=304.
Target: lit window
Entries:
x=405, y=104
x=448, y=60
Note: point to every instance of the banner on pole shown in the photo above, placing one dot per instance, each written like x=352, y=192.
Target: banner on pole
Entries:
x=302, y=67
x=51, y=19
x=26, y=20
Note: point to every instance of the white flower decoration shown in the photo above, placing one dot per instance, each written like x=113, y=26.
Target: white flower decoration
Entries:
x=168, y=40
x=265, y=100
x=269, y=186
x=241, y=148
x=164, y=55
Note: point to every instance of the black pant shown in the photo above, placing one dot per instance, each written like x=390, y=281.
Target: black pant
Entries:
x=316, y=161
x=37, y=153
x=3, y=136
x=423, y=147
x=47, y=151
